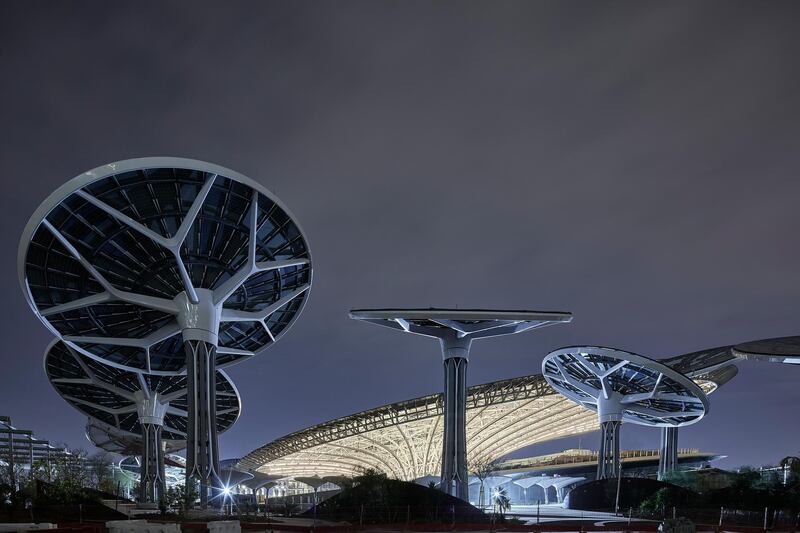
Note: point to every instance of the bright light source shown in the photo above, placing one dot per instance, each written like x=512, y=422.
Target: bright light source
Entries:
x=226, y=491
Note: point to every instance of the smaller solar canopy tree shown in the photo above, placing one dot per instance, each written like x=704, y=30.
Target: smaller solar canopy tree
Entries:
x=623, y=387
x=139, y=412
x=456, y=329
x=167, y=266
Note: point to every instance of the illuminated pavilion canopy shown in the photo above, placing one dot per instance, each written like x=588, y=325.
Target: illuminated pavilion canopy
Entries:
x=404, y=439
x=110, y=396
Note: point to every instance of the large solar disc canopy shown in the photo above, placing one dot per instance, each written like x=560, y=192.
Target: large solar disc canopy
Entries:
x=777, y=350
x=163, y=266
x=134, y=414
x=456, y=329
x=623, y=387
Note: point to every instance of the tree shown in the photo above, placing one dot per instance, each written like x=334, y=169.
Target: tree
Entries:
x=481, y=468
x=501, y=500
x=98, y=466
x=791, y=465
x=69, y=477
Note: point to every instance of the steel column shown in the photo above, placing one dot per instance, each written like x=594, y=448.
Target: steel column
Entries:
x=11, y=467
x=454, y=443
x=202, y=454
x=151, y=480
x=668, y=452
x=608, y=460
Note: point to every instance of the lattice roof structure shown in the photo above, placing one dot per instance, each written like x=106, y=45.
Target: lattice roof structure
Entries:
x=110, y=397
x=113, y=259
x=404, y=439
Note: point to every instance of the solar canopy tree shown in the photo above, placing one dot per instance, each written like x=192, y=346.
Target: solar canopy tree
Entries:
x=623, y=386
x=140, y=414
x=455, y=330
x=167, y=266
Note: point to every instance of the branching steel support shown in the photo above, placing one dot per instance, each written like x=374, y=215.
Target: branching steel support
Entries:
x=455, y=351
x=668, y=452
x=152, y=484
x=454, y=445
x=152, y=480
x=608, y=462
x=202, y=454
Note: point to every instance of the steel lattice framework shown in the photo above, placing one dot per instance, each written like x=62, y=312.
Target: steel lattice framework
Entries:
x=404, y=439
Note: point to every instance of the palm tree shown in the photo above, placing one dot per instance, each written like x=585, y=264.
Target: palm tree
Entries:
x=501, y=500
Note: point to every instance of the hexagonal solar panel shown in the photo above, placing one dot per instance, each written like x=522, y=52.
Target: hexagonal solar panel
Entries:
x=104, y=258
x=652, y=394
x=108, y=394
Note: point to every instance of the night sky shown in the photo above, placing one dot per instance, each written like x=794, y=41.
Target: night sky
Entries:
x=635, y=163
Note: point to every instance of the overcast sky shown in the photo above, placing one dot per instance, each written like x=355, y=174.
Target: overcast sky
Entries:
x=635, y=163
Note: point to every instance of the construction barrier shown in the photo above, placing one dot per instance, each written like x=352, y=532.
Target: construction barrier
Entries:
x=26, y=527
x=225, y=526
x=141, y=526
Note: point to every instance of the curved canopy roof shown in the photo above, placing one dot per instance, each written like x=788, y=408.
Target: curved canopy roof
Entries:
x=777, y=350
x=404, y=439
x=650, y=392
x=106, y=259
x=472, y=323
x=111, y=396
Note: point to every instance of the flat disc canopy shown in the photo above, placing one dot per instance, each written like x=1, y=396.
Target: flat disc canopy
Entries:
x=475, y=323
x=109, y=261
x=777, y=350
x=111, y=396
x=645, y=392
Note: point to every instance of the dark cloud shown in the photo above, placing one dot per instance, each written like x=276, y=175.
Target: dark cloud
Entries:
x=635, y=163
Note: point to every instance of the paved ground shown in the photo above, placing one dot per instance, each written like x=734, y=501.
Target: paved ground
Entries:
x=552, y=512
